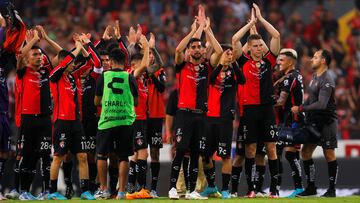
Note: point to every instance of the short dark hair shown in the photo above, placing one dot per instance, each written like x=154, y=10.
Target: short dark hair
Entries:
x=62, y=54
x=35, y=47
x=325, y=54
x=226, y=47
x=253, y=37
x=118, y=56
x=192, y=40
x=137, y=56
x=103, y=52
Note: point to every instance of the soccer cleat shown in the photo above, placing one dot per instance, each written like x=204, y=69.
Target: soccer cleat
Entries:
x=131, y=195
x=250, y=194
x=154, y=194
x=261, y=194
x=69, y=192
x=273, y=195
x=225, y=194
x=56, y=196
x=209, y=191
x=88, y=196
x=195, y=195
x=308, y=192
x=329, y=193
x=2, y=197
x=143, y=194
x=173, y=193
x=13, y=194
x=26, y=196
x=43, y=196
x=102, y=194
x=121, y=195
x=234, y=195
x=295, y=192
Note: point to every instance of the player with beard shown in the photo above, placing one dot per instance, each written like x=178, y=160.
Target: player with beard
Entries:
x=291, y=90
x=320, y=109
x=192, y=105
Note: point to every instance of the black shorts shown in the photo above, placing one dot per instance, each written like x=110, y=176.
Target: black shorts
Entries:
x=5, y=133
x=259, y=124
x=218, y=137
x=190, y=131
x=154, y=132
x=240, y=142
x=69, y=135
x=90, y=130
x=34, y=135
x=140, y=139
x=117, y=139
x=328, y=138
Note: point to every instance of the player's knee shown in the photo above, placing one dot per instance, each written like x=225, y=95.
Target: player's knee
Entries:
x=81, y=157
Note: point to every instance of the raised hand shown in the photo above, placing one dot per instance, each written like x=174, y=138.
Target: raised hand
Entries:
x=257, y=12
x=207, y=24
x=36, y=35
x=106, y=35
x=253, y=18
x=131, y=36
x=143, y=41
x=201, y=17
x=152, y=40
x=41, y=29
x=194, y=26
x=138, y=32
x=117, y=32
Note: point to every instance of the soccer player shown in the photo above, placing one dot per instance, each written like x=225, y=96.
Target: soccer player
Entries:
x=192, y=105
x=291, y=94
x=257, y=99
x=221, y=112
x=156, y=111
x=34, y=104
x=68, y=131
x=139, y=63
x=320, y=109
x=117, y=93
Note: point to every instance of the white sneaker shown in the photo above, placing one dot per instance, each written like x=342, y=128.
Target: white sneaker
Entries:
x=154, y=194
x=100, y=195
x=13, y=194
x=2, y=197
x=195, y=195
x=173, y=194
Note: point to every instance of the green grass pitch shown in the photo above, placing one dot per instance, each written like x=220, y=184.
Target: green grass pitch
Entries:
x=352, y=199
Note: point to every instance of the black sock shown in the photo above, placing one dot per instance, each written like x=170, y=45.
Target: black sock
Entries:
x=281, y=169
x=155, y=169
x=92, y=176
x=132, y=176
x=294, y=163
x=17, y=175
x=250, y=173
x=185, y=166
x=193, y=169
x=2, y=169
x=84, y=185
x=274, y=173
x=225, y=181
x=210, y=176
x=141, y=178
x=25, y=180
x=309, y=169
x=67, y=167
x=235, y=178
x=175, y=168
x=332, y=170
x=53, y=186
x=113, y=174
x=45, y=172
x=259, y=177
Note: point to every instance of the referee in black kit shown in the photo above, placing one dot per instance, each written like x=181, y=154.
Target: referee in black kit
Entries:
x=320, y=109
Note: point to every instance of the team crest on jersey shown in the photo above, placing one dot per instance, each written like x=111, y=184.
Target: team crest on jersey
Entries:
x=178, y=138
x=62, y=144
x=196, y=68
x=222, y=75
x=139, y=141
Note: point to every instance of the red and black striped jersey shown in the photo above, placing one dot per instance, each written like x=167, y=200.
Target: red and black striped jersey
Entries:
x=258, y=88
x=156, y=86
x=141, y=108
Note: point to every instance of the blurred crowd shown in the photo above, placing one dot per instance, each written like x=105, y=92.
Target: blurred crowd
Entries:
x=170, y=20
